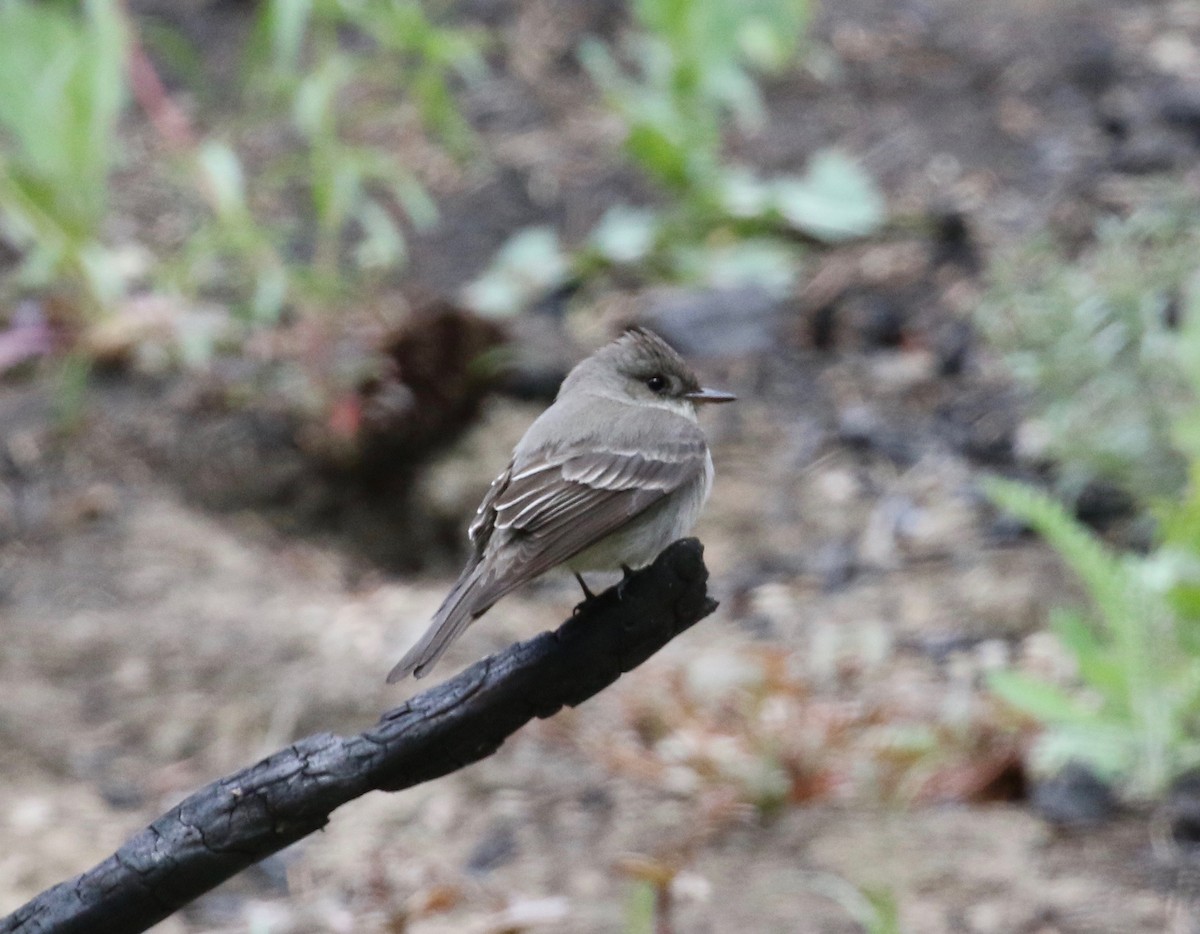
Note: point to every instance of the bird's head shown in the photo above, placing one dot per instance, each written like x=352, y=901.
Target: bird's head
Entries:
x=640, y=367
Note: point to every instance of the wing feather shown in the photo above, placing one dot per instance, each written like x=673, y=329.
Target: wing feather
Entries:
x=562, y=501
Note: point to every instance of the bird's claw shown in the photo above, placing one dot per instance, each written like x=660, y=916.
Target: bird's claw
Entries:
x=588, y=596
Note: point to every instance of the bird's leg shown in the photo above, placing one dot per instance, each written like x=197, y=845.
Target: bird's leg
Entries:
x=587, y=594
x=626, y=573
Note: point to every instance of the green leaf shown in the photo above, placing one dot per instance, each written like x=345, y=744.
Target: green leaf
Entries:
x=1098, y=668
x=314, y=106
x=534, y=254
x=286, y=25
x=640, y=908
x=494, y=296
x=766, y=263
x=1075, y=633
x=529, y=265
x=104, y=277
x=221, y=173
x=270, y=293
x=734, y=88
x=1116, y=592
x=834, y=201
x=659, y=154
x=382, y=245
x=62, y=88
x=600, y=65
x=625, y=234
x=421, y=209
x=763, y=45
x=874, y=910
x=1040, y=700
x=1108, y=748
x=743, y=194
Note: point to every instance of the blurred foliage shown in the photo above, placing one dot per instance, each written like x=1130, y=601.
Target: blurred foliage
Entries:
x=694, y=67
x=692, y=71
x=641, y=908
x=1135, y=716
x=231, y=250
x=328, y=70
x=1108, y=343
x=312, y=219
x=417, y=56
x=875, y=910
x=320, y=212
x=62, y=89
x=530, y=264
x=1096, y=340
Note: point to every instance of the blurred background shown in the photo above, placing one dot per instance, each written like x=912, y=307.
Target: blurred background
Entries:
x=282, y=282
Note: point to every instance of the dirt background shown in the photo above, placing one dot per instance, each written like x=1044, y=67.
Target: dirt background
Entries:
x=825, y=734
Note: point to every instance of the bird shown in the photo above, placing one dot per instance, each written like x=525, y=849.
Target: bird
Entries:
x=614, y=470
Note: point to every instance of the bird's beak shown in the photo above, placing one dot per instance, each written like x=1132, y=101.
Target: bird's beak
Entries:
x=707, y=396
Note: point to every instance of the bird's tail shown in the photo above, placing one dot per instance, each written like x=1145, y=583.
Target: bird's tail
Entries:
x=457, y=612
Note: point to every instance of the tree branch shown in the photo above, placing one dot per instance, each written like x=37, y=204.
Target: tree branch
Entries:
x=240, y=819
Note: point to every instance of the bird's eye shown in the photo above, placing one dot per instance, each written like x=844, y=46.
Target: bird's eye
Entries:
x=656, y=383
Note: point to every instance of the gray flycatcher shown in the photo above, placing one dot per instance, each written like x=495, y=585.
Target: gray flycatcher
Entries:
x=611, y=473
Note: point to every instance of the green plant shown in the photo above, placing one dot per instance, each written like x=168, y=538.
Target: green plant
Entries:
x=62, y=88
x=531, y=263
x=407, y=52
x=346, y=228
x=694, y=68
x=874, y=909
x=1135, y=715
x=1097, y=342
x=346, y=179
x=231, y=251
x=693, y=72
x=641, y=907
x=1130, y=318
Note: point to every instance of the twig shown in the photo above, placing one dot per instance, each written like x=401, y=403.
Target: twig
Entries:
x=168, y=120
x=240, y=819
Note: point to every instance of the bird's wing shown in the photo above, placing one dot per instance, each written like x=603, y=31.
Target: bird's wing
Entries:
x=559, y=502
x=484, y=522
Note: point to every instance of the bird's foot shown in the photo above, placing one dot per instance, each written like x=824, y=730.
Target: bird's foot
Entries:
x=588, y=596
x=626, y=573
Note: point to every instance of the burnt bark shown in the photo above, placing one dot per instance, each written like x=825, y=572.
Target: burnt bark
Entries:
x=242, y=818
